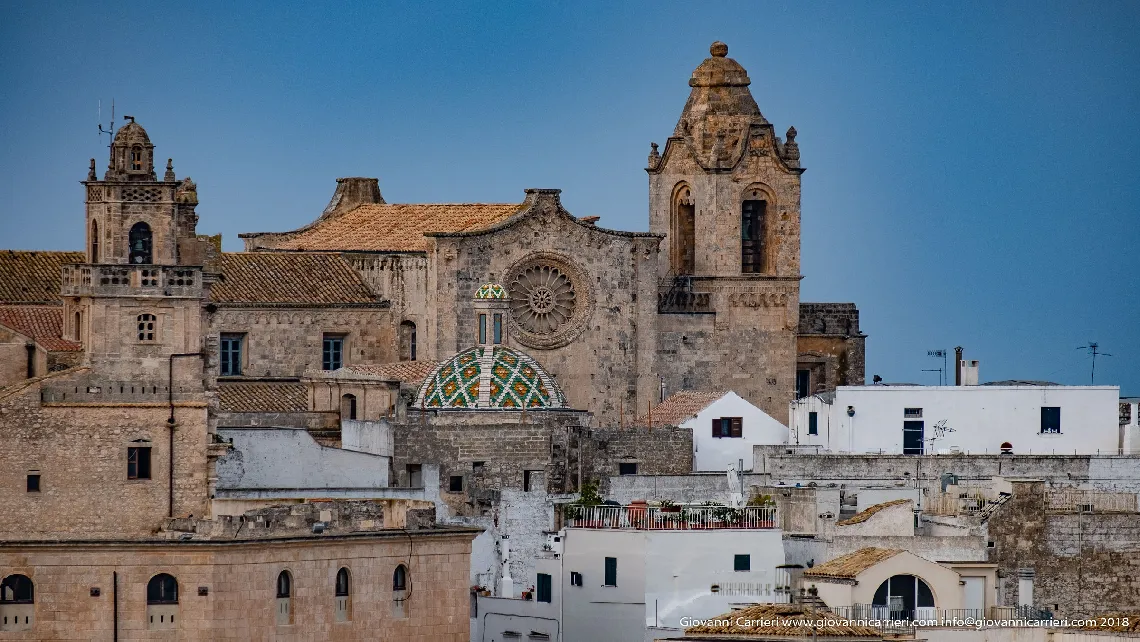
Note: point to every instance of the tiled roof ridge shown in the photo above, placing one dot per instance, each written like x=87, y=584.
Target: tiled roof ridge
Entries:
x=324, y=278
x=42, y=323
x=850, y=565
x=680, y=407
x=870, y=511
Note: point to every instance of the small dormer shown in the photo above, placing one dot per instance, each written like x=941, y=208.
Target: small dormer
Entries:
x=132, y=154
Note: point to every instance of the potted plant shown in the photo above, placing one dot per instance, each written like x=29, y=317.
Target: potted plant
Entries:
x=668, y=506
x=528, y=594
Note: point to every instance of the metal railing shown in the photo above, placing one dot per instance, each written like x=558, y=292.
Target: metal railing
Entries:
x=671, y=518
x=965, y=501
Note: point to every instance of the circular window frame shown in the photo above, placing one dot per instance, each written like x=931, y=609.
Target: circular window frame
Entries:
x=579, y=316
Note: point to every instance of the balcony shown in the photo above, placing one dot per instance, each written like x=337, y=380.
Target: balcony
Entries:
x=674, y=518
x=132, y=280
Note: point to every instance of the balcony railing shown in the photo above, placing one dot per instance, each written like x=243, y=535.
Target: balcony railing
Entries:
x=154, y=280
x=671, y=518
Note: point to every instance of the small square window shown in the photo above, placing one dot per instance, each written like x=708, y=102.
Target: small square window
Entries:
x=912, y=413
x=627, y=468
x=455, y=484
x=477, y=465
x=742, y=563
x=33, y=482
x=138, y=463
x=1051, y=420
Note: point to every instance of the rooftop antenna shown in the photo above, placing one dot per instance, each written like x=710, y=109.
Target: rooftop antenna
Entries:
x=1093, y=349
x=110, y=131
x=936, y=354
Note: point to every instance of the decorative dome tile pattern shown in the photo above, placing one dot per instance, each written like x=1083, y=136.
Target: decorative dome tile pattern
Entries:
x=486, y=378
x=491, y=291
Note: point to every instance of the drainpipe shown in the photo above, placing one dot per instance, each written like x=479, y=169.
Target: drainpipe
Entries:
x=115, y=602
x=958, y=366
x=170, y=424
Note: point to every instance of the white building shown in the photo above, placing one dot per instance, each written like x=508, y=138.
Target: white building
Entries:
x=909, y=419
x=725, y=427
x=629, y=573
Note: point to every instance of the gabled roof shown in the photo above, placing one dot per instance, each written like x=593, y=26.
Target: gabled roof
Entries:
x=42, y=323
x=33, y=277
x=852, y=564
x=679, y=407
x=870, y=511
x=395, y=227
x=263, y=396
x=302, y=279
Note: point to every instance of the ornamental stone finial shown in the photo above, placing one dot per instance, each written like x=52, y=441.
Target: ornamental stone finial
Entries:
x=654, y=156
x=169, y=176
x=718, y=49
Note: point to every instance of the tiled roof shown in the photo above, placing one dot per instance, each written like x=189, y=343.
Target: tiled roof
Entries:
x=263, y=396
x=306, y=279
x=396, y=227
x=33, y=277
x=852, y=564
x=779, y=621
x=678, y=407
x=43, y=323
x=869, y=511
x=407, y=371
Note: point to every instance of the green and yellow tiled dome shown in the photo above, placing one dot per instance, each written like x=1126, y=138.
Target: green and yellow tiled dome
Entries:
x=491, y=291
x=486, y=377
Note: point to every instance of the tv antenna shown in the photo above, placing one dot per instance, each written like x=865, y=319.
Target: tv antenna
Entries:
x=936, y=354
x=1094, y=349
x=110, y=131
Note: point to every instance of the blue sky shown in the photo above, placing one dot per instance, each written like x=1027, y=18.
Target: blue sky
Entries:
x=973, y=175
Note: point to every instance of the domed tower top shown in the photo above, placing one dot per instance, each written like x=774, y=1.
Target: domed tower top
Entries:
x=720, y=98
x=132, y=154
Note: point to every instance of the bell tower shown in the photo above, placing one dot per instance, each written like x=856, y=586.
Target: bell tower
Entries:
x=725, y=194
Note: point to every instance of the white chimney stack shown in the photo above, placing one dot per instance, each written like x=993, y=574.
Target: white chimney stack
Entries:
x=506, y=584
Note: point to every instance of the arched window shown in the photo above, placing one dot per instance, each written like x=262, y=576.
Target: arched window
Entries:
x=95, y=241
x=140, y=243
x=753, y=232
x=17, y=603
x=78, y=330
x=400, y=580
x=904, y=597
x=407, y=341
x=146, y=325
x=162, y=589
x=284, y=598
x=136, y=158
x=683, y=231
x=343, y=604
x=348, y=407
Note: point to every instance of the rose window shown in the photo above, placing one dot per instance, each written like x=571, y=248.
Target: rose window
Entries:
x=542, y=299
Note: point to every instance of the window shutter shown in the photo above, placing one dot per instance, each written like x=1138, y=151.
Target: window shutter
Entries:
x=716, y=427
x=737, y=427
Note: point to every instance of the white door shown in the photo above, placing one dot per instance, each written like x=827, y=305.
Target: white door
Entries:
x=974, y=593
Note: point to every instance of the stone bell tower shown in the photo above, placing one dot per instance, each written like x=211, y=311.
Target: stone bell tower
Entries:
x=139, y=296
x=725, y=193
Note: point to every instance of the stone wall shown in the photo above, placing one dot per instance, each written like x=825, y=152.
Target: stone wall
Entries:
x=286, y=342
x=227, y=591
x=289, y=458
x=80, y=452
x=400, y=280
x=656, y=451
x=1085, y=564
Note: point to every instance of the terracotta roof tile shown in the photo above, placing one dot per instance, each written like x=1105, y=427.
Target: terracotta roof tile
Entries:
x=852, y=564
x=679, y=407
x=406, y=371
x=263, y=396
x=396, y=227
x=33, y=277
x=868, y=512
x=306, y=279
x=767, y=621
x=43, y=323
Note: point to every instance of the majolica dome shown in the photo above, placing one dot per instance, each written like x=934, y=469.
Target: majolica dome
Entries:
x=490, y=377
x=491, y=291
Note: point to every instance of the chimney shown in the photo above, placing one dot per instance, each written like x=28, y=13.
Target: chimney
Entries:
x=958, y=366
x=351, y=192
x=969, y=372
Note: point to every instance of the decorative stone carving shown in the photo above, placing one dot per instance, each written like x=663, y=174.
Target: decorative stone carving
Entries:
x=550, y=300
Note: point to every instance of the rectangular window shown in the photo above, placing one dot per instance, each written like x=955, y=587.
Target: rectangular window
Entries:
x=611, y=571
x=415, y=475
x=728, y=427
x=912, y=413
x=1051, y=419
x=138, y=463
x=752, y=232
x=455, y=484
x=482, y=329
x=526, y=481
x=332, y=354
x=33, y=482
x=231, y=354
x=543, y=588
x=627, y=468
x=742, y=563
x=813, y=423
x=498, y=335
x=803, y=383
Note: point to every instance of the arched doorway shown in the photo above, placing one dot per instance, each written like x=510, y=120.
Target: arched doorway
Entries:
x=904, y=597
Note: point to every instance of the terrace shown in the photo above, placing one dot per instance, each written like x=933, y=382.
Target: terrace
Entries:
x=671, y=518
